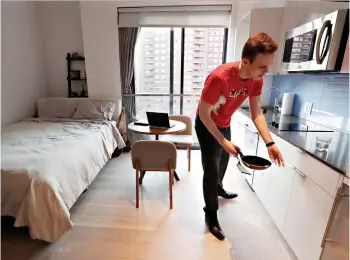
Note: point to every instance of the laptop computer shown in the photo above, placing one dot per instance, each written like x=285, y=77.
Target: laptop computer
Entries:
x=159, y=120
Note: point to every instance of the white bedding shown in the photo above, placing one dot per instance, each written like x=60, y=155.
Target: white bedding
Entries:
x=45, y=166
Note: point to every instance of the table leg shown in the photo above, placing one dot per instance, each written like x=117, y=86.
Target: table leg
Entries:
x=157, y=137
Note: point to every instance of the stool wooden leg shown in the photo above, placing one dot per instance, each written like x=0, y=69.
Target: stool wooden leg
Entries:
x=171, y=177
x=137, y=188
x=189, y=158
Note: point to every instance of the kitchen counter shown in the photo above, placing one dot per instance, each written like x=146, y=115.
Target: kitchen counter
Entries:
x=335, y=157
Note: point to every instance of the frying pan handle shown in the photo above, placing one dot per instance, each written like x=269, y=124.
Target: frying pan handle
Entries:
x=240, y=153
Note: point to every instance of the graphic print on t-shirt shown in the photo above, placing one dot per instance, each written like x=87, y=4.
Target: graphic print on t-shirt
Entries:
x=221, y=101
x=234, y=93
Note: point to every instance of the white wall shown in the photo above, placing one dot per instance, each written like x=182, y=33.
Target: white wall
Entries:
x=62, y=33
x=97, y=34
x=100, y=37
x=23, y=65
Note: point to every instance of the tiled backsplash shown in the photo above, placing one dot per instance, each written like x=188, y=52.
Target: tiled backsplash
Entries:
x=329, y=95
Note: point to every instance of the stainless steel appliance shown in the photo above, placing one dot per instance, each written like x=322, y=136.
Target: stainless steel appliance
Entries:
x=318, y=45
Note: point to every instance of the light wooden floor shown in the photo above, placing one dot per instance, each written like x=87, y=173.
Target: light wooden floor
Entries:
x=108, y=226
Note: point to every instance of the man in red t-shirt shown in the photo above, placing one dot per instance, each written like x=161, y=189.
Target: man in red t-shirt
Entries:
x=224, y=91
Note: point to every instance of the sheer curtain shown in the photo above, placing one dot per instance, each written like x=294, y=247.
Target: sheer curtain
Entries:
x=127, y=42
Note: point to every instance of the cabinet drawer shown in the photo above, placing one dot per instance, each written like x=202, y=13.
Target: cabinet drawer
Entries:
x=321, y=174
x=279, y=191
x=308, y=213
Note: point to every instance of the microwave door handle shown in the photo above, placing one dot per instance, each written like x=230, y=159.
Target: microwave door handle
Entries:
x=321, y=56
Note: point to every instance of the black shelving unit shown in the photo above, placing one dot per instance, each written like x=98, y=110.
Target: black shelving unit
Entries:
x=71, y=59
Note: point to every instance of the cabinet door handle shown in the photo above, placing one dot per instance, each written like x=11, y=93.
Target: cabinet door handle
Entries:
x=300, y=173
x=299, y=150
x=289, y=165
x=297, y=170
x=249, y=129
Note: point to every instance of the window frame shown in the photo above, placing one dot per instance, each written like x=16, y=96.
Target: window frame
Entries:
x=182, y=66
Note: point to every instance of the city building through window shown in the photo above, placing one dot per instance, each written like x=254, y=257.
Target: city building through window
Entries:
x=176, y=61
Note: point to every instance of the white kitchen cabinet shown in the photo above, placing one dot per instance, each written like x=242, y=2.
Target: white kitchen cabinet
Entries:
x=261, y=178
x=279, y=192
x=336, y=244
x=299, y=198
x=274, y=186
x=308, y=213
x=325, y=7
x=327, y=178
x=307, y=12
x=237, y=130
x=266, y=20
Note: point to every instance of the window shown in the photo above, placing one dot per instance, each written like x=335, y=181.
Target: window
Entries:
x=173, y=69
x=153, y=35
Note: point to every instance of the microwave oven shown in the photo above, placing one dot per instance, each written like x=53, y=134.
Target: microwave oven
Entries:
x=318, y=45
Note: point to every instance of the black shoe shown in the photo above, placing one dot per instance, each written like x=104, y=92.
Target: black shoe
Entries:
x=213, y=224
x=227, y=195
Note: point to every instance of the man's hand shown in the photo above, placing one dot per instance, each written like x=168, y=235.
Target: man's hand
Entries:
x=275, y=155
x=231, y=148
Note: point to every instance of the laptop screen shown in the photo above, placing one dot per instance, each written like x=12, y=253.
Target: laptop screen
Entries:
x=156, y=119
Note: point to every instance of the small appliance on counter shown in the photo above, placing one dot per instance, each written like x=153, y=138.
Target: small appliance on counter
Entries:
x=287, y=103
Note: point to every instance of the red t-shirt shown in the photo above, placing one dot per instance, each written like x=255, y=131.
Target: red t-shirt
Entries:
x=226, y=91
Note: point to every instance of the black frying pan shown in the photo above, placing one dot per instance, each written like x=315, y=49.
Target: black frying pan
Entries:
x=254, y=162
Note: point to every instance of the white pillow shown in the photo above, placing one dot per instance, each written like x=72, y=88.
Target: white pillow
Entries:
x=56, y=108
x=93, y=109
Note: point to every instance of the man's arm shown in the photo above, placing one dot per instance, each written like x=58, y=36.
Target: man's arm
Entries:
x=205, y=116
x=260, y=123
x=259, y=119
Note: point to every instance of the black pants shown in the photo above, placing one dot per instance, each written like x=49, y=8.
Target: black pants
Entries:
x=214, y=162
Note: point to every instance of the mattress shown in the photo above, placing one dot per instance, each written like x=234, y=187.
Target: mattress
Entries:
x=45, y=166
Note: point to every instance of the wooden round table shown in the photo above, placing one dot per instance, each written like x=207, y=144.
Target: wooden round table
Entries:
x=142, y=129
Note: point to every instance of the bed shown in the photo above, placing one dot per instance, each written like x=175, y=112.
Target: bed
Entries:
x=48, y=161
